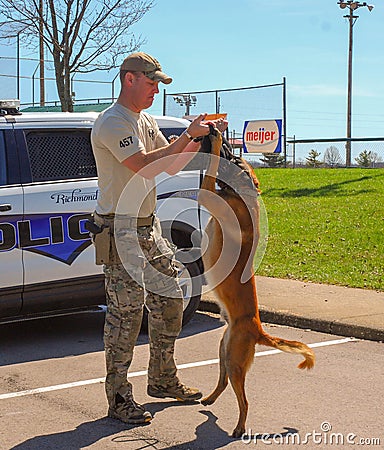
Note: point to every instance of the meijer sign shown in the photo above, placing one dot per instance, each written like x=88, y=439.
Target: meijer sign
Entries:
x=262, y=136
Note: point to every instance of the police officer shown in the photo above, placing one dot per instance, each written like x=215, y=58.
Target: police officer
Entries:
x=138, y=262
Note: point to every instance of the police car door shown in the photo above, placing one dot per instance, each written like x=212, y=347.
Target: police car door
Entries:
x=61, y=195
x=11, y=211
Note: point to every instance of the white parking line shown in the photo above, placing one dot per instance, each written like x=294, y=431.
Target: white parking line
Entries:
x=144, y=372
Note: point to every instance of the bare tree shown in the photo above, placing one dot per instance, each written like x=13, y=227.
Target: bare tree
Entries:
x=375, y=158
x=332, y=157
x=81, y=35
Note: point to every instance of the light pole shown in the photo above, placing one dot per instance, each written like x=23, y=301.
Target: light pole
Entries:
x=186, y=100
x=352, y=6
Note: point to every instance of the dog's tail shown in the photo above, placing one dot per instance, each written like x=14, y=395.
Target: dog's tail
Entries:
x=290, y=347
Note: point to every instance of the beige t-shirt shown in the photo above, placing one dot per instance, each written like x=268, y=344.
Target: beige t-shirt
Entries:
x=117, y=134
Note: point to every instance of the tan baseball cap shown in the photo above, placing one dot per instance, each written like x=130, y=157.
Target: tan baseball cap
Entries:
x=142, y=62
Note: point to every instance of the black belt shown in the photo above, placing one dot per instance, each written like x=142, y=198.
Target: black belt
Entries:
x=138, y=221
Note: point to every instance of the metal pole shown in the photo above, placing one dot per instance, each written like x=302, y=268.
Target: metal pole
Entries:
x=73, y=86
x=188, y=105
x=33, y=90
x=113, y=86
x=33, y=84
x=351, y=18
x=285, y=120
x=41, y=51
x=18, y=63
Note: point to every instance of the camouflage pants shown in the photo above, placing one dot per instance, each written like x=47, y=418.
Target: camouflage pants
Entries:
x=140, y=271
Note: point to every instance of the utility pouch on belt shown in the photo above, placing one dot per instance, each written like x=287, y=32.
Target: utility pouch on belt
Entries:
x=102, y=242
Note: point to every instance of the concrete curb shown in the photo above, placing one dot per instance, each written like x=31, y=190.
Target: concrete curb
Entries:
x=292, y=320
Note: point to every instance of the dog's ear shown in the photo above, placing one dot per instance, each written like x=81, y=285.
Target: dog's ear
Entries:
x=206, y=145
x=226, y=150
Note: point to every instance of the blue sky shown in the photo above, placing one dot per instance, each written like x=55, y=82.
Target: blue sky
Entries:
x=210, y=44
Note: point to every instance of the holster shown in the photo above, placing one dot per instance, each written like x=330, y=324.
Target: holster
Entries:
x=102, y=242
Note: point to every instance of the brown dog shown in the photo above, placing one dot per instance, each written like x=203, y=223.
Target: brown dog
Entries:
x=234, y=223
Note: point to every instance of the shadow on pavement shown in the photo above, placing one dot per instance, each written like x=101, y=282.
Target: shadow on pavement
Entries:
x=208, y=436
x=82, y=436
x=72, y=335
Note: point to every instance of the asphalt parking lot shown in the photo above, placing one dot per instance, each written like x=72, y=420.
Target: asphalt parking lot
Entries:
x=52, y=391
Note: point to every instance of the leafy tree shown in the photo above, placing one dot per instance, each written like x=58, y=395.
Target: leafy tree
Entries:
x=81, y=35
x=332, y=157
x=312, y=160
x=273, y=159
x=367, y=158
x=364, y=159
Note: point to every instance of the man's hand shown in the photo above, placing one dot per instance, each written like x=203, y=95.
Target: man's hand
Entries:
x=220, y=124
x=197, y=127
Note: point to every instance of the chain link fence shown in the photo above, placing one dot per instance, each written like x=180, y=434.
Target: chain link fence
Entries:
x=240, y=104
x=262, y=102
x=9, y=80
x=19, y=77
x=268, y=102
x=365, y=152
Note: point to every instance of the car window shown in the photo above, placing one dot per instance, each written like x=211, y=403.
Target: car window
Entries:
x=60, y=154
x=3, y=165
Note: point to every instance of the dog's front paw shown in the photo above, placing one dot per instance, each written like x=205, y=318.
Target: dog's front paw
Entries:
x=238, y=432
x=206, y=401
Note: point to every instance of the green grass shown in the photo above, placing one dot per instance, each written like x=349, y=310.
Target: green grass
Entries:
x=325, y=225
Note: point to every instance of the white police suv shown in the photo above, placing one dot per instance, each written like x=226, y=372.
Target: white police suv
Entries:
x=48, y=189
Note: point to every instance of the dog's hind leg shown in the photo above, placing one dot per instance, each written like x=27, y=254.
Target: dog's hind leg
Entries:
x=237, y=378
x=240, y=352
x=223, y=376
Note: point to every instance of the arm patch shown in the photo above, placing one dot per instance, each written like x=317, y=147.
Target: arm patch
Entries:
x=126, y=142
